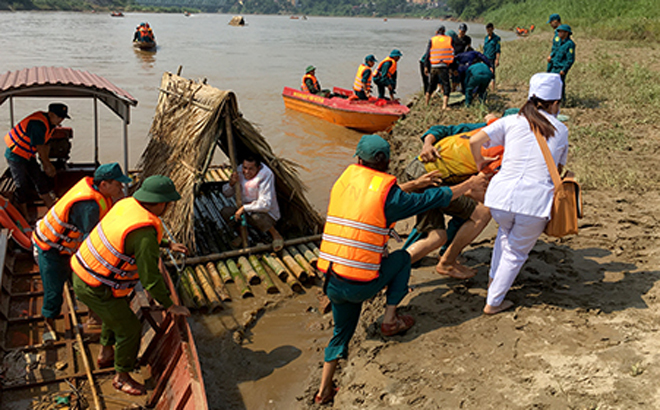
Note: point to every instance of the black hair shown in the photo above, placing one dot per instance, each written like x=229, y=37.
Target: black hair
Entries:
x=252, y=158
x=489, y=25
x=537, y=121
x=380, y=163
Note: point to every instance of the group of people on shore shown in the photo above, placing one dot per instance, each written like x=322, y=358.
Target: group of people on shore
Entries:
x=471, y=172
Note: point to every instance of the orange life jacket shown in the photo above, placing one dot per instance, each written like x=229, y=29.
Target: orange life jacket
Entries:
x=391, y=70
x=54, y=229
x=358, y=85
x=102, y=258
x=441, y=50
x=309, y=77
x=356, y=231
x=17, y=140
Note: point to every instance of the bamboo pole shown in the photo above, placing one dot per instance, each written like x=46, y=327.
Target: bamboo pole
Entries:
x=242, y=285
x=83, y=352
x=239, y=252
x=224, y=272
x=293, y=266
x=238, y=189
x=308, y=254
x=207, y=287
x=270, y=285
x=185, y=293
x=219, y=286
x=247, y=271
x=314, y=248
x=290, y=278
x=196, y=291
x=276, y=267
x=302, y=261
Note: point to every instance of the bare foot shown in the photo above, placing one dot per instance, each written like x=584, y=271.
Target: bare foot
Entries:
x=493, y=310
x=455, y=270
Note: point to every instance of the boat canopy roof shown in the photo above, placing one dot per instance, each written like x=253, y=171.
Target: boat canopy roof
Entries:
x=67, y=83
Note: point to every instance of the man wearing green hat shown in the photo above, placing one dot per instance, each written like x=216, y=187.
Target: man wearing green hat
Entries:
x=555, y=21
x=386, y=73
x=122, y=250
x=311, y=84
x=362, y=82
x=60, y=232
x=354, y=254
x=564, y=56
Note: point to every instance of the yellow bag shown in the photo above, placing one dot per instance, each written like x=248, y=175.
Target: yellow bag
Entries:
x=567, y=202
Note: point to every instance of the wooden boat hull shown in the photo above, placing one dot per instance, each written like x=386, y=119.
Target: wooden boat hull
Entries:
x=145, y=45
x=358, y=115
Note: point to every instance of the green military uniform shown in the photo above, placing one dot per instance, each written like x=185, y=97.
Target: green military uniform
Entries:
x=477, y=78
x=555, y=45
x=563, y=58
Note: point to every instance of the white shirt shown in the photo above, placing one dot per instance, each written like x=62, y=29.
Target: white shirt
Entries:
x=523, y=184
x=259, y=194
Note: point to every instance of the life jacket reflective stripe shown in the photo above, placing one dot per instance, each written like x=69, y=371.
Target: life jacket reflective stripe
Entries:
x=17, y=140
x=358, y=85
x=356, y=231
x=456, y=162
x=309, y=77
x=102, y=257
x=54, y=229
x=391, y=70
x=441, y=50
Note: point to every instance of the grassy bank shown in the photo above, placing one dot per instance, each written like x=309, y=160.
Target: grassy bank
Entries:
x=605, y=19
x=613, y=103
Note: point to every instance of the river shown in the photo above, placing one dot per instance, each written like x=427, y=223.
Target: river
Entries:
x=255, y=61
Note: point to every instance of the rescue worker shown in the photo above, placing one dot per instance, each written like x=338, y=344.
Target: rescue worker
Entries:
x=354, y=246
x=60, y=232
x=121, y=251
x=310, y=83
x=385, y=77
x=463, y=61
x=25, y=142
x=477, y=78
x=564, y=56
x=136, y=35
x=555, y=21
x=362, y=83
x=492, y=49
x=440, y=54
x=462, y=42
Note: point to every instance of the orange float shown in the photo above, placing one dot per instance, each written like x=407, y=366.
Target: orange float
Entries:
x=10, y=218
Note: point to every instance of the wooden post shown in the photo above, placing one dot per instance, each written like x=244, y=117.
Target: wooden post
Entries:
x=83, y=352
x=234, y=166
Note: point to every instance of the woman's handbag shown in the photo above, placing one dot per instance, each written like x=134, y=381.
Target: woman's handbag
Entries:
x=567, y=202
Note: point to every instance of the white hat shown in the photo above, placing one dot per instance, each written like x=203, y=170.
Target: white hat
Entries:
x=546, y=86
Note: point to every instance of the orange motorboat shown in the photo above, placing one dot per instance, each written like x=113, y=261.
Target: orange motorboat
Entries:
x=367, y=116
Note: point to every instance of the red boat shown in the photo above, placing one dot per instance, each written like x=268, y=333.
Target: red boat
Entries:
x=116, y=14
x=65, y=372
x=367, y=116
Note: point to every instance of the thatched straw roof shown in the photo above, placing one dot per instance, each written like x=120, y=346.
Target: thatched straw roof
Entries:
x=189, y=123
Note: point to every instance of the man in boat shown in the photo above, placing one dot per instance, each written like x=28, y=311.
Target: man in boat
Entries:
x=564, y=56
x=122, y=250
x=362, y=83
x=385, y=77
x=462, y=41
x=260, y=208
x=27, y=140
x=492, y=48
x=354, y=254
x=446, y=150
x=555, y=21
x=440, y=54
x=138, y=29
x=60, y=232
x=310, y=83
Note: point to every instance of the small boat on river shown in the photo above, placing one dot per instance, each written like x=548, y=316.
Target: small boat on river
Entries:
x=116, y=14
x=145, y=45
x=35, y=375
x=366, y=116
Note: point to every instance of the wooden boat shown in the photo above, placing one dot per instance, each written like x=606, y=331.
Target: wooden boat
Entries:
x=117, y=14
x=35, y=375
x=365, y=116
x=145, y=45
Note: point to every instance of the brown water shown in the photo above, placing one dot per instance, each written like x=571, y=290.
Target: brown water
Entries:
x=270, y=369
x=255, y=61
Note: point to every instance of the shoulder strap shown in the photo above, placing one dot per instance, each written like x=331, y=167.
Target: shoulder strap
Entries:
x=549, y=161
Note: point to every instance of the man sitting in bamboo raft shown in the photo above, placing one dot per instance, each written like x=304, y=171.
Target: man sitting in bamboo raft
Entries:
x=260, y=208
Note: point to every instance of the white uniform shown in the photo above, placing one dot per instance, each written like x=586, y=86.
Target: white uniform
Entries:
x=519, y=196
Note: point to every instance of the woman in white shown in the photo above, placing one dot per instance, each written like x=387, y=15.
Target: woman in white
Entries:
x=520, y=196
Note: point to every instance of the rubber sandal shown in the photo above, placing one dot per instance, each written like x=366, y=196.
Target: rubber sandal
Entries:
x=278, y=244
x=129, y=388
x=319, y=400
x=402, y=323
x=105, y=363
x=49, y=337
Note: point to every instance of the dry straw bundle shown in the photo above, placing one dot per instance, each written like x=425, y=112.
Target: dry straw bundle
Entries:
x=189, y=123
